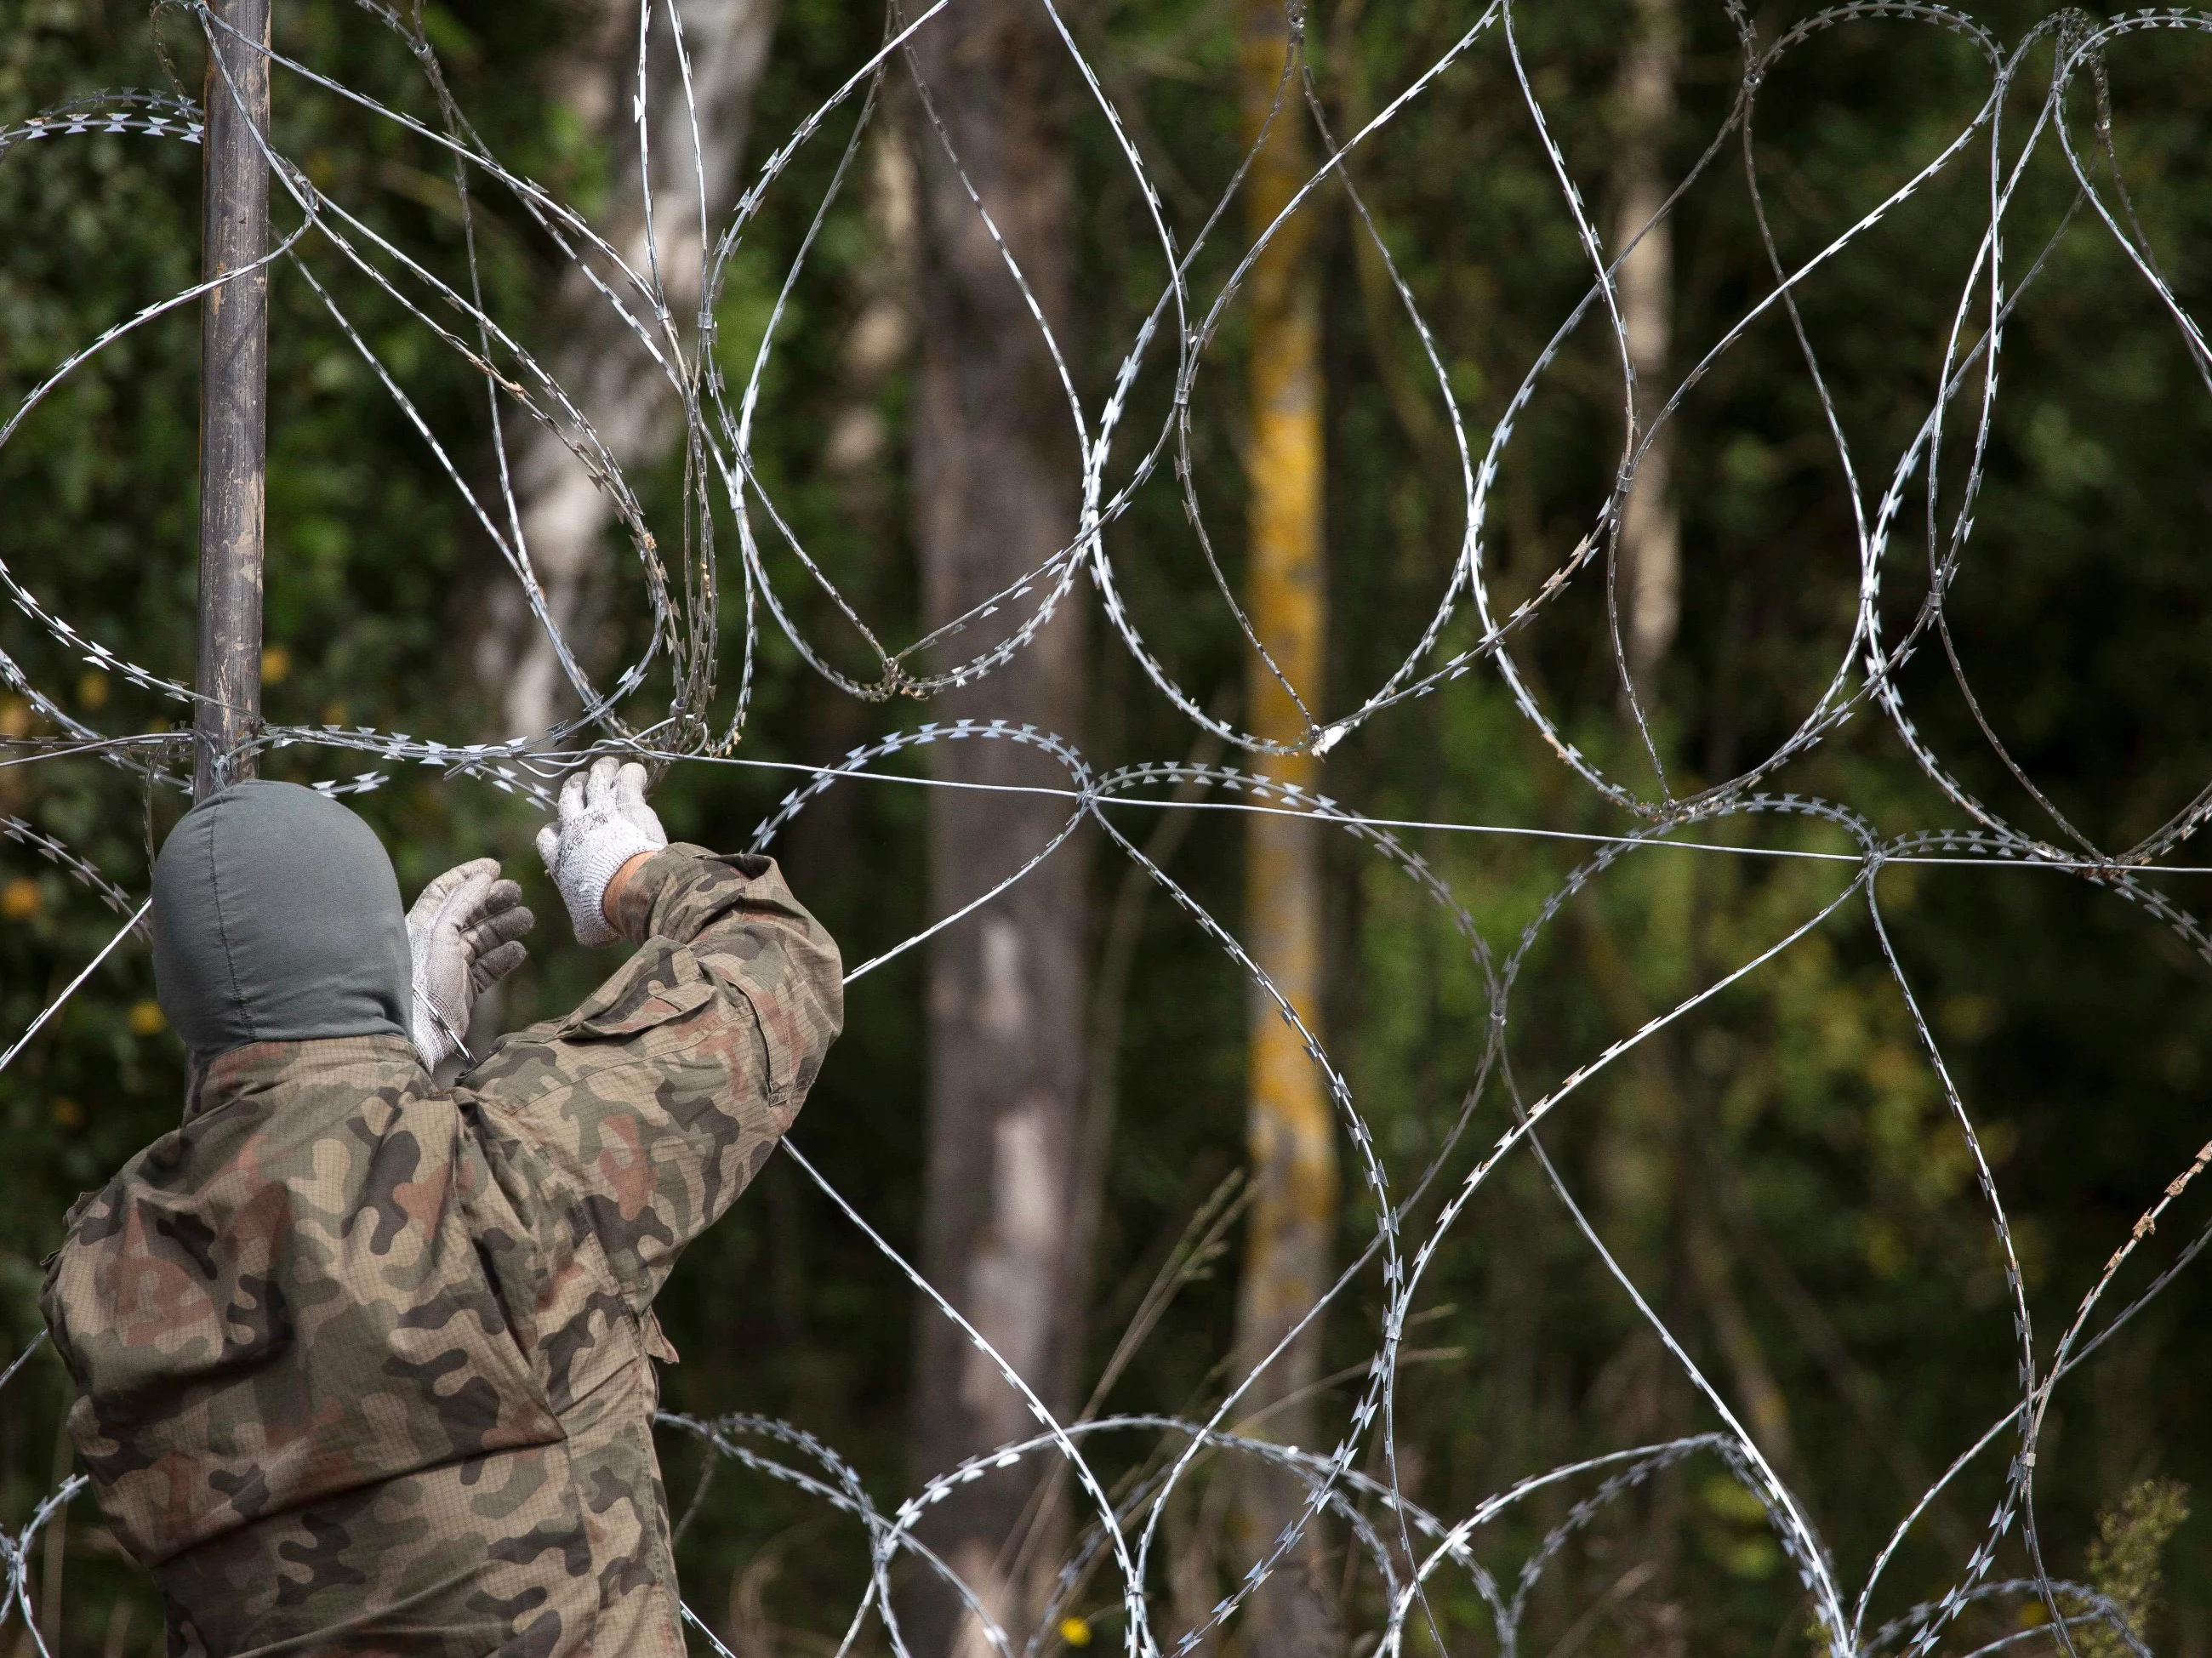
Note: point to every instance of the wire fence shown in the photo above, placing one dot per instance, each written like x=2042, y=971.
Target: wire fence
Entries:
x=1119, y=1536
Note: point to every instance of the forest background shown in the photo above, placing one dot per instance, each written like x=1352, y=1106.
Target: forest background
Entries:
x=1779, y=1171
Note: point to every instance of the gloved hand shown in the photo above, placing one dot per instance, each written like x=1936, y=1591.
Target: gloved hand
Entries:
x=463, y=936
x=604, y=822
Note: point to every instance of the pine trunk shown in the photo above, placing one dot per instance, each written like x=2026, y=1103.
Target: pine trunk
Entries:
x=995, y=481
x=1289, y=1126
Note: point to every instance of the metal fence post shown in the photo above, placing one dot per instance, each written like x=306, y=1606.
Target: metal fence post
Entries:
x=233, y=394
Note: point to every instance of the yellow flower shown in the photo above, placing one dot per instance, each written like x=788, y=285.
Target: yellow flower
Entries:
x=276, y=663
x=20, y=899
x=1075, y=1631
x=68, y=1113
x=146, y=1019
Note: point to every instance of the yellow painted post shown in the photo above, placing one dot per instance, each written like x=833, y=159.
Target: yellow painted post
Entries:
x=1291, y=1128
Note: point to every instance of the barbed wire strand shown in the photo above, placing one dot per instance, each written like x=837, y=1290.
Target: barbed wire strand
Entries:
x=682, y=641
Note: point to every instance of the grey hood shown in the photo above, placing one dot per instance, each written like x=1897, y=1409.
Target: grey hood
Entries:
x=276, y=918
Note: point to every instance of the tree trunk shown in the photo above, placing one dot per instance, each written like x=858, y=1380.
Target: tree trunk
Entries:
x=1650, y=573
x=996, y=482
x=1290, y=1127
x=878, y=345
x=1645, y=1171
x=601, y=363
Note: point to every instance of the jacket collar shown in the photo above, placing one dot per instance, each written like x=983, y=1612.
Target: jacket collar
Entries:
x=239, y=1073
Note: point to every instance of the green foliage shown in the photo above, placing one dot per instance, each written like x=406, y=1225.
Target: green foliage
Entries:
x=2125, y=1565
x=1785, y=1150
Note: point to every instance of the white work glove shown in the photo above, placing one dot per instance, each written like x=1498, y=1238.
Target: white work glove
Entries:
x=463, y=935
x=604, y=822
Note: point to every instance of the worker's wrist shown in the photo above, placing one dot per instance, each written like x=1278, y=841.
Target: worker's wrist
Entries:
x=610, y=903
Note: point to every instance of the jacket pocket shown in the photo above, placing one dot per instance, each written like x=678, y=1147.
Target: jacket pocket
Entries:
x=661, y=983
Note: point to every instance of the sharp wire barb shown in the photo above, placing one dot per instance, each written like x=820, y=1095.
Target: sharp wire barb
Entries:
x=680, y=645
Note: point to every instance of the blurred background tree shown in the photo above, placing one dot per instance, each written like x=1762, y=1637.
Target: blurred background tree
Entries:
x=1778, y=1171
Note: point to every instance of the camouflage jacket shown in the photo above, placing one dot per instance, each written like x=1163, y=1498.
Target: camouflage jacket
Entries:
x=362, y=1362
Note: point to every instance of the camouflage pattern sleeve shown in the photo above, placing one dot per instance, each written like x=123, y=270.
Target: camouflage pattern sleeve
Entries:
x=659, y=1099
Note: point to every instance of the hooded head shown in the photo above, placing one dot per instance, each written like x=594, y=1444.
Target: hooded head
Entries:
x=276, y=918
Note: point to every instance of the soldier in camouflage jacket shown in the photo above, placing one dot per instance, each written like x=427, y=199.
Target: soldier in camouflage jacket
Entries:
x=363, y=1361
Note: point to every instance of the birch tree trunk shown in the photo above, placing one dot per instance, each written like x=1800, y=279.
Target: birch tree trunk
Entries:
x=601, y=363
x=1290, y=1128
x=1650, y=533
x=996, y=494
